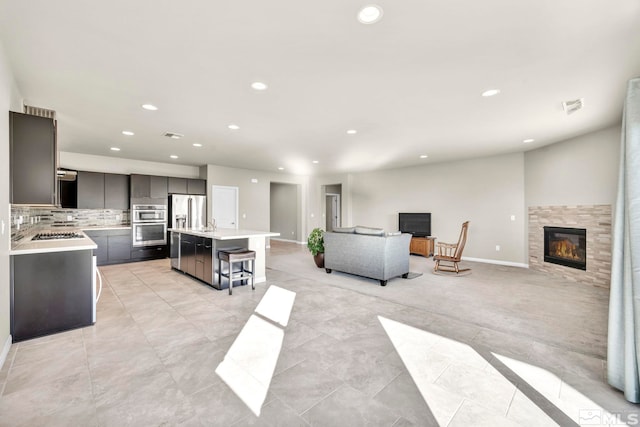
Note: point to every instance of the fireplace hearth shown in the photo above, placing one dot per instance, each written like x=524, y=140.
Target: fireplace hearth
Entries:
x=566, y=246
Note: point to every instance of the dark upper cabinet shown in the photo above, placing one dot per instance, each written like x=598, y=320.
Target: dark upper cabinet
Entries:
x=116, y=191
x=90, y=190
x=187, y=186
x=177, y=185
x=96, y=190
x=197, y=187
x=32, y=159
x=148, y=186
x=140, y=186
x=158, y=187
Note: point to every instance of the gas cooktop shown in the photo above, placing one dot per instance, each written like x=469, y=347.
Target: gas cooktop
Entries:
x=58, y=235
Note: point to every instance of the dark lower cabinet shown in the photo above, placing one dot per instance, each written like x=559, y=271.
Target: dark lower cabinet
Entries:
x=143, y=253
x=188, y=254
x=102, y=252
x=50, y=292
x=196, y=257
x=119, y=248
x=114, y=246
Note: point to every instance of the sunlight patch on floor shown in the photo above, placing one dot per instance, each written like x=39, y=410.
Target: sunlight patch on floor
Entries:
x=458, y=385
x=251, y=360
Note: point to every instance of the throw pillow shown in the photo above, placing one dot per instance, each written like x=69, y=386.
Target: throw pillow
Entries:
x=349, y=230
x=369, y=231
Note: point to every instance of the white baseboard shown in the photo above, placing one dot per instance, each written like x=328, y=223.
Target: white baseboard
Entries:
x=5, y=350
x=493, y=261
x=289, y=241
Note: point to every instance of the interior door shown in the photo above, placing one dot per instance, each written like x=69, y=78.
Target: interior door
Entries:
x=224, y=206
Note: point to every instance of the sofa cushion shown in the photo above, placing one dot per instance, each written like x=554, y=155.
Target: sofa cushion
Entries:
x=370, y=231
x=349, y=230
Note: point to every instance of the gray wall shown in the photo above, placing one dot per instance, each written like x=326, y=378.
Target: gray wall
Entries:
x=254, y=198
x=284, y=210
x=485, y=191
x=579, y=171
x=9, y=100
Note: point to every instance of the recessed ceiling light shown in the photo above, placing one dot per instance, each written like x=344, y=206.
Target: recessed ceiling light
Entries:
x=526, y=141
x=233, y=127
x=259, y=86
x=115, y=149
x=173, y=156
x=315, y=162
x=197, y=145
x=280, y=168
x=352, y=131
x=423, y=156
x=490, y=92
x=149, y=107
x=128, y=133
x=370, y=14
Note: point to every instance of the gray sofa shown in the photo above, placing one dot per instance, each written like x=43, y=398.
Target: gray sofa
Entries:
x=367, y=252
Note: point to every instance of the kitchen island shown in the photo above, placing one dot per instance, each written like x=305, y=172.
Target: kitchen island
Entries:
x=52, y=286
x=195, y=252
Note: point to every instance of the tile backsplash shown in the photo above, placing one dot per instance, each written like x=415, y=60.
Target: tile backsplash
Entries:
x=26, y=220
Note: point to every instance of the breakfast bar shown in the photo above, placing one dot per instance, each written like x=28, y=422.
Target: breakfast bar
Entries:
x=195, y=252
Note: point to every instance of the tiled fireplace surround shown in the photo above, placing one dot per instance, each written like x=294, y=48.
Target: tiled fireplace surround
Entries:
x=596, y=219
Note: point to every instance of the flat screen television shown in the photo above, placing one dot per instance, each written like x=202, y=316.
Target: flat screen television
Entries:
x=418, y=224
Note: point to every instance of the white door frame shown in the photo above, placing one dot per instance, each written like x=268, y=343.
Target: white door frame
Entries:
x=225, y=187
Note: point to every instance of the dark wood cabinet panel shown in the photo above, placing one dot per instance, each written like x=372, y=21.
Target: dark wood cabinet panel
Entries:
x=140, y=186
x=102, y=252
x=148, y=252
x=116, y=191
x=32, y=162
x=177, y=185
x=90, y=190
x=188, y=254
x=158, y=187
x=119, y=248
x=51, y=292
x=197, y=187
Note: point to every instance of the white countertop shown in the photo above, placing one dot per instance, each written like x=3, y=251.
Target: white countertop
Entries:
x=225, y=233
x=106, y=227
x=28, y=246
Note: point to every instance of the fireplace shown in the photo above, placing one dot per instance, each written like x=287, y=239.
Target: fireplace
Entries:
x=566, y=246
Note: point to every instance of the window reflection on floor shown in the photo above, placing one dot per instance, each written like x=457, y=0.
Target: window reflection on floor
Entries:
x=251, y=360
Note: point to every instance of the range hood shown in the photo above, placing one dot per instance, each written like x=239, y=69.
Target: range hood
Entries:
x=65, y=175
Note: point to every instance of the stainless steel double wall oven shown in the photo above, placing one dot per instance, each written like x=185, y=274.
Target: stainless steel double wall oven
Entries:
x=149, y=223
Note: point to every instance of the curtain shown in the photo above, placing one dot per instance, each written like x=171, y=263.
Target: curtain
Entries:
x=623, y=352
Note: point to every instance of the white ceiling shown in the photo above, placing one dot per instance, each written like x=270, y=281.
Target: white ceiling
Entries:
x=409, y=85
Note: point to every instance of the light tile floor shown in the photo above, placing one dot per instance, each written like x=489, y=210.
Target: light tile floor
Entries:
x=500, y=347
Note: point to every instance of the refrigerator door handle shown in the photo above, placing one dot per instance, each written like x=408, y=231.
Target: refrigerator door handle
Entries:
x=189, y=209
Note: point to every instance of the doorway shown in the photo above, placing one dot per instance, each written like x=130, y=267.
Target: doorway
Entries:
x=285, y=210
x=224, y=206
x=332, y=214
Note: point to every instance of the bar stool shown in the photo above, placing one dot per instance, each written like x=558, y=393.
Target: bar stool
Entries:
x=236, y=256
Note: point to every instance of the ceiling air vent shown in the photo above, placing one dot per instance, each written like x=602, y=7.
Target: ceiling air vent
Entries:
x=40, y=112
x=571, y=107
x=173, y=135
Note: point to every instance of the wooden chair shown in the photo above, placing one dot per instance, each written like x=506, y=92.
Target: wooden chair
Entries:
x=451, y=253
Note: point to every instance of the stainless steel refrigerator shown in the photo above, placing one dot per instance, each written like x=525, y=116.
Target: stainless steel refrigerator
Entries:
x=184, y=212
x=187, y=211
